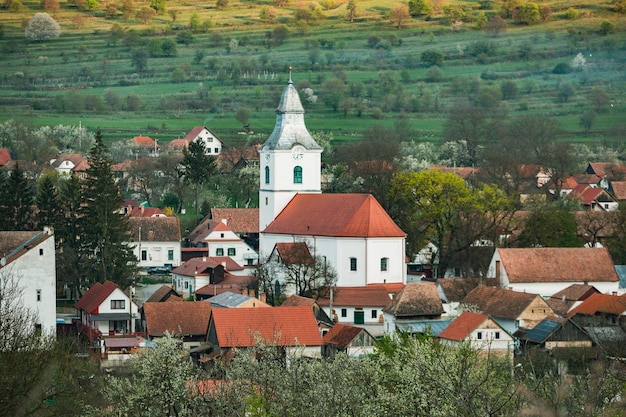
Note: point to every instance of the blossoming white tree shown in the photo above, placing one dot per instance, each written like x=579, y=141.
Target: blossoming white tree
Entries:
x=42, y=27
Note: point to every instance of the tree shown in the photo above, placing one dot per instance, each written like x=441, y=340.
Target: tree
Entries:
x=528, y=14
x=470, y=123
x=599, y=99
x=139, y=59
x=128, y=9
x=243, y=116
x=431, y=57
x=399, y=15
x=420, y=8
x=48, y=204
x=51, y=6
x=159, y=6
x=509, y=89
x=42, y=27
x=351, y=10
x=587, y=119
x=267, y=14
x=16, y=211
x=104, y=230
x=550, y=227
x=173, y=14
x=619, y=6
x=196, y=168
x=221, y=4
x=67, y=236
x=146, y=14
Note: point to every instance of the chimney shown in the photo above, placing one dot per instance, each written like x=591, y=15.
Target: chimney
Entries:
x=498, y=283
x=204, y=259
x=225, y=221
x=262, y=297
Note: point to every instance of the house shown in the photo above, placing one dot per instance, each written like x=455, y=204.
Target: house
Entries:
x=241, y=284
x=546, y=271
x=212, y=143
x=346, y=229
x=352, y=340
x=237, y=158
x=5, y=157
x=555, y=333
x=107, y=310
x=229, y=299
x=164, y=293
x=28, y=266
x=198, y=272
x=220, y=240
x=324, y=322
x=291, y=329
x=453, y=291
x=482, y=332
x=609, y=170
x=563, y=301
x=156, y=241
x=68, y=164
x=142, y=211
x=594, y=198
x=414, y=303
x=603, y=308
x=147, y=145
x=511, y=309
x=188, y=320
x=357, y=305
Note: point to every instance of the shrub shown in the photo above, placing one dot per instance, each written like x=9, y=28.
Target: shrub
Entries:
x=431, y=57
x=572, y=14
x=562, y=68
x=607, y=27
x=42, y=27
x=528, y=14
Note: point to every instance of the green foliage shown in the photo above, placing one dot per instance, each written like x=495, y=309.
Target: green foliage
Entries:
x=221, y=4
x=16, y=199
x=431, y=57
x=572, y=14
x=607, y=27
x=619, y=6
x=562, y=68
x=587, y=119
x=160, y=6
x=420, y=8
x=528, y=14
x=242, y=115
x=48, y=204
x=196, y=168
x=550, y=227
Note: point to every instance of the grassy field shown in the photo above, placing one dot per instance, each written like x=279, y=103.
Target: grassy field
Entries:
x=66, y=80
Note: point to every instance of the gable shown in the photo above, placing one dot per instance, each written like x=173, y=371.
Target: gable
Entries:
x=503, y=303
x=416, y=300
x=337, y=215
x=95, y=296
x=464, y=325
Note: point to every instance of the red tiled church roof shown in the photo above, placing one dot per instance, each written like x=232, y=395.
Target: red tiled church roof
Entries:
x=338, y=215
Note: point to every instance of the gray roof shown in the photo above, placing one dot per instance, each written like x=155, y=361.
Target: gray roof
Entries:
x=289, y=129
x=421, y=326
x=542, y=331
x=621, y=273
x=228, y=300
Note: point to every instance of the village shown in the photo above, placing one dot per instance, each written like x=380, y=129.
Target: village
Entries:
x=321, y=274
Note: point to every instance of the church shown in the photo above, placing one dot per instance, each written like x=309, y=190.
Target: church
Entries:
x=352, y=232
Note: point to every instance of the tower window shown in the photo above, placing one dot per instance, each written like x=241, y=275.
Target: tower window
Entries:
x=383, y=264
x=267, y=175
x=352, y=264
x=297, y=175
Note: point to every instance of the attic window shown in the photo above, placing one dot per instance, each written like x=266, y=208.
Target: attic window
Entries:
x=40, y=251
x=118, y=304
x=497, y=335
x=344, y=312
x=222, y=235
x=479, y=335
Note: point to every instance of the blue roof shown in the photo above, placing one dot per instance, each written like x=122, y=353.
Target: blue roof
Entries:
x=621, y=273
x=542, y=331
x=422, y=326
x=228, y=299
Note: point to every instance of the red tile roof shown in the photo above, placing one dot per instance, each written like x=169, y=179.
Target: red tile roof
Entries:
x=200, y=266
x=502, y=303
x=181, y=318
x=285, y=326
x=601, y=303
x=341, y=335
x=391, y=288
x=240, y=220
x=5, y=156
x=463, y=326
x=417, y=300
x=91, y=300
x=338, y=215
x=146, y=141
x=154, y=229
x=164, y=293
x=619, y=189
x=178, y=144
x=609, y=169
x=357, y=297
x=558, y=265
x=232, y=283
x=294, y=253
x=456, y=289
x=297, y=300
x=142, y=211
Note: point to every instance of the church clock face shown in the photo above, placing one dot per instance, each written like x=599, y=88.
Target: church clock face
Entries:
x=297, y=152
x=268, y=156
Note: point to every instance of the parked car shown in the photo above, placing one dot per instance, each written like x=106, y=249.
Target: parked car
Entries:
x=159, y=270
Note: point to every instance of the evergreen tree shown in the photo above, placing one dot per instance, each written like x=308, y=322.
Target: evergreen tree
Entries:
x=197, y=168
x=48, y=205
x=67, y=237
x=17, y=199
x=104, y=230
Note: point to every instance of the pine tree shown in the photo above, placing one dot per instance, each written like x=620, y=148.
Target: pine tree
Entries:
x=17, y=199
x=68, y=265
x=197, y=168
x=48, y=205
x=104, y=230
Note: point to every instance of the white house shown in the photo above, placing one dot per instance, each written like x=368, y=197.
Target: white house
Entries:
x=68, y=164
x=546, y=271
x=156, y=241
x=212, y=143
x=351, y=231
x=218, y=237
x=28, y=265
x=107, y=310
x=198, y=272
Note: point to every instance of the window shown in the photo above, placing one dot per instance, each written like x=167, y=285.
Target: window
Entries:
x=266, y=201
x=217, y=150
x=38, y=295
x=144, y=255
x=352, y=264
x=383, y=264
x=479, y=335
x=267, y=175
x=231, y=251
x=222, y=235
x=374, y=314
x=344, y=312
x=250, y=261
x=208, y=150
x=297, y=175
x=40, y=251
x=219, y=252
x=118, y=304
x=186, y=286
x=170, y=254
x=209, y=139
x=497, y=335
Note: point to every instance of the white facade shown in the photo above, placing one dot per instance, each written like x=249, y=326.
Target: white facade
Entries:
x=368, y=255
x=34, y=273
x=212, y=144
x=346, y=315
x=224, y=242
x=489, y=338
x=113, y=315
x=152, y=254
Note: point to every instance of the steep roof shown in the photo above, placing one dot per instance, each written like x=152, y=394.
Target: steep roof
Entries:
x=233, y=283
x=562, y=301
x=15, y=244
x=499, y=302
x=463, y=326
x=5, y=156
x=164, y=293
x=619, y=189
x=357, y=297
x=154, y=229
x=142, y=211
x=455, y=289
x=341, y=335
x=558, y=264
x=74, y=158
x=416, y=300
x=542, y=331
x=183, y=318
x=200, y=266
x=290, y=128
x=337, y=215
x=297, y=300
x=294, y=253
x=146, y=141
x=95, y=296
x=240, y=220
x=178, y=144
x=601, y=303
x=285, y=326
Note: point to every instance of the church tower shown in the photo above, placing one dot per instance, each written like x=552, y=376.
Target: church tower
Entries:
x=290, y=159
